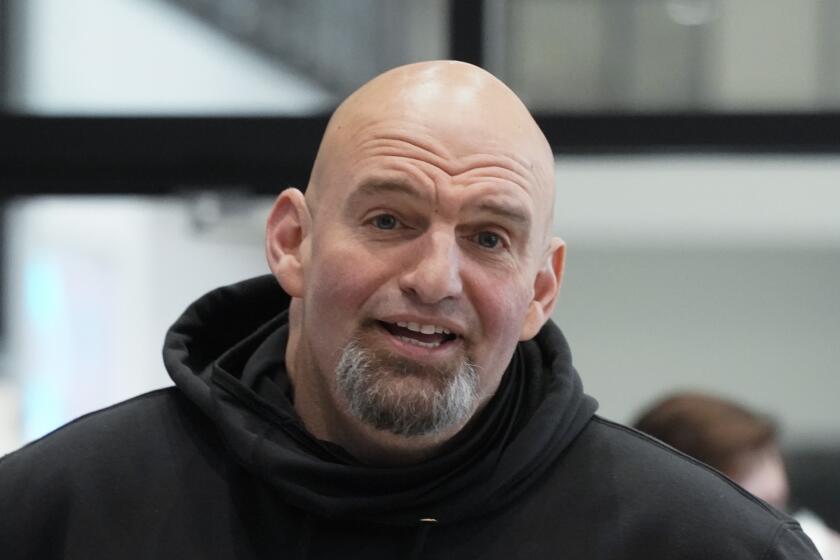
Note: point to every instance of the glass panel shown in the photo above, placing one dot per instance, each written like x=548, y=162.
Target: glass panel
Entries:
x=288, y=57
x=665, y=55
x=764, y=55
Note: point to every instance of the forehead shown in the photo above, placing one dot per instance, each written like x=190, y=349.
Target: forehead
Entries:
x=454, y=150
x=433, y=151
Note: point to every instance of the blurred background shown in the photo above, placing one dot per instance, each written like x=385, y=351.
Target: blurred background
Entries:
x=698, y=160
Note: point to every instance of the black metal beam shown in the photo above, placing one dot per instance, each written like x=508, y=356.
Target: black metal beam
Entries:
x=693, y=132
x=88, y=155
x=466, y=31
x=155, y=155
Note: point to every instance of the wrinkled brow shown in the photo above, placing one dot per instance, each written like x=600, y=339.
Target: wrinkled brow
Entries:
x=379, y=186
x=519, y=217
x=512, y=214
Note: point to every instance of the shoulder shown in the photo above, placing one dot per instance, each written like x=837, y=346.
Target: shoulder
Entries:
x=92, y=435
x=644, y=466
x=110, y=478
x=108, y=449
x=657, y=496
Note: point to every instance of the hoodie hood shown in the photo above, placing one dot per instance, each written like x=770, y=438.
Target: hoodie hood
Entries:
x=226, y=354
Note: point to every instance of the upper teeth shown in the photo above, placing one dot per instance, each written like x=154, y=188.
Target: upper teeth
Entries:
x=425, y=329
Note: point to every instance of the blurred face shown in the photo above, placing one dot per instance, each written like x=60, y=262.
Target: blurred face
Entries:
x=762, y=473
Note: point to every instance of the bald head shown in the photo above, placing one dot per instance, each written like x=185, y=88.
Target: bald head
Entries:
x=460, y=109
x=429, y=204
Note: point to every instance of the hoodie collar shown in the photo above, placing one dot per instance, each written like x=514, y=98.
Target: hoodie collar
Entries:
x=226, y=354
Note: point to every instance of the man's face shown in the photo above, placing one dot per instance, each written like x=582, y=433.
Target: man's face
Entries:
x=424, y=249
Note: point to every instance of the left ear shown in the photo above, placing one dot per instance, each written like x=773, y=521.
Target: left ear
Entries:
x=546, y=287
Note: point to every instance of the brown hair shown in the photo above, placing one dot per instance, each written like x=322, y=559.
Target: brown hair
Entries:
x=714, y=430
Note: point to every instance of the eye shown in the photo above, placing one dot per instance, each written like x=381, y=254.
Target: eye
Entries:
x=489, y=240
x=384, y=221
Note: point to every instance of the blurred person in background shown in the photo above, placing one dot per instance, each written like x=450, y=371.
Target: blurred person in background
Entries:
x=738, y=442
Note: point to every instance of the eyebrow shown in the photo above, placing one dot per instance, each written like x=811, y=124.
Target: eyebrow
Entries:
x=515, y=215
x=380, y=186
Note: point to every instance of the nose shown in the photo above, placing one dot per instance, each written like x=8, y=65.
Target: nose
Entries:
x=434, y=274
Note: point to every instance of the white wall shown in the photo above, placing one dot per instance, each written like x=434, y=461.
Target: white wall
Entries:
x=715, y=273
x=93, y=284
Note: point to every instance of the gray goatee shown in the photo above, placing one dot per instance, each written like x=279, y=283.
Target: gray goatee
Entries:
x=400, y=396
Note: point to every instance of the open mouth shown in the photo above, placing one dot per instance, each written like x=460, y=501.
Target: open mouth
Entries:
x=425, y=336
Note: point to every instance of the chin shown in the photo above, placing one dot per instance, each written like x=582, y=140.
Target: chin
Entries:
x=404, y=398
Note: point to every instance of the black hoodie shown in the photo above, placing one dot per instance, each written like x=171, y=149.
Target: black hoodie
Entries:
x=221, y=467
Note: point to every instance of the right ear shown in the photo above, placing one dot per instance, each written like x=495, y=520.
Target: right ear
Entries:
x=286, y=232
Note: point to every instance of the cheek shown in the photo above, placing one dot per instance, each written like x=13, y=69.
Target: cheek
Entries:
x=502, y=304
x=333, y=283
x=339, y=282
x=503, y=300
x=501, y=314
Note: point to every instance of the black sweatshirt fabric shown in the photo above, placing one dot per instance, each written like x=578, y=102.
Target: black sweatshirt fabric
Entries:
x=220, y=466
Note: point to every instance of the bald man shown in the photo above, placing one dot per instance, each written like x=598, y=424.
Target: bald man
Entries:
x=394, y=389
